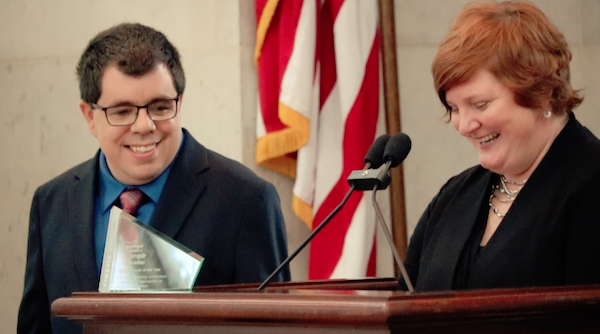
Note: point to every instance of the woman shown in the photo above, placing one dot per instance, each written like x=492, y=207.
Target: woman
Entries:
x=527, y=215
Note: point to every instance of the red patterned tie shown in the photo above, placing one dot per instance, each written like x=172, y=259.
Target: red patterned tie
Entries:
x=130, y=200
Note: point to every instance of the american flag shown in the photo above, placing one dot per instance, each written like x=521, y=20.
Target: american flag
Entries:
x=319, y=111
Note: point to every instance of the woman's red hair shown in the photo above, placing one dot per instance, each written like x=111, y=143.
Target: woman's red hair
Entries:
x=515, y=42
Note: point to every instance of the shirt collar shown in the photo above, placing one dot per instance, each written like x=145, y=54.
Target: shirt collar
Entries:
x=110, y=188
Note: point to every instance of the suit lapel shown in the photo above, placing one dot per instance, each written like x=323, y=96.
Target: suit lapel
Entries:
x=81, y=222
x=452, y=233
x=178, y=198
x=181, y=191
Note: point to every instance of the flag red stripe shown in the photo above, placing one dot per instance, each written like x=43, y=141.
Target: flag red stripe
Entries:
x=326, y=53
x=276, y=52
x=336, y=5
x=326, y=248
x=268, y=76
x=259, y=5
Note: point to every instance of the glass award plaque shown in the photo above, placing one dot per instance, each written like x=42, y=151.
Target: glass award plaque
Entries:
x=139, y=258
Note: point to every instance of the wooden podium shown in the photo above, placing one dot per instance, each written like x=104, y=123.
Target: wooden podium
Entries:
x=366, y=306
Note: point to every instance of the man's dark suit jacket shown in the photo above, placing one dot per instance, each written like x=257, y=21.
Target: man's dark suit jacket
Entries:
x=213, y=205
x=550, y=236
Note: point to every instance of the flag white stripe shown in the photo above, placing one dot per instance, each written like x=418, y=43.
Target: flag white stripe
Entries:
x=357, y=243
x=304, y=187
x=297, y=81
x=330, y=157
x=354, y=31
x=261, y=130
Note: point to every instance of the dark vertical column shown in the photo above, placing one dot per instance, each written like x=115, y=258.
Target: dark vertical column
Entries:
x=392, y=108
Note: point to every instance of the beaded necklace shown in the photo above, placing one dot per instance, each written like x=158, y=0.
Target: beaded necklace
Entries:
x=504, y=194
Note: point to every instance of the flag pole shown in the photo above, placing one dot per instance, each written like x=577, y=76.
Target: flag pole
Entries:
x=392, y=109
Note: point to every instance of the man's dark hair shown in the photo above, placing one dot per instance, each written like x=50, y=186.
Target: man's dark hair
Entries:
x=135, y=50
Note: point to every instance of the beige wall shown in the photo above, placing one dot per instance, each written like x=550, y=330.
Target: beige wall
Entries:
x=42, y=133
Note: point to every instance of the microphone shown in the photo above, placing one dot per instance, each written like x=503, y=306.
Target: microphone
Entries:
x=397, y=149
x=395, y=152
x=374, y=157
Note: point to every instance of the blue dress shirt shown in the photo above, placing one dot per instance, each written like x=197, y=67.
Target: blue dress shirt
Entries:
x=109, y=190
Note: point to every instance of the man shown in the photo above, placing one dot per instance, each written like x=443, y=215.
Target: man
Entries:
x=131, y=83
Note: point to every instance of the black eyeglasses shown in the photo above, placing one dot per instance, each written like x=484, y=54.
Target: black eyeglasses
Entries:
x=160, y=110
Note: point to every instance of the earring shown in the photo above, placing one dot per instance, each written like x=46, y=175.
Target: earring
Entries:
x=548, y=114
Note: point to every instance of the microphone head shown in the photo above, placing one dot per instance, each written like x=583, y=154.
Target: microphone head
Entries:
x=397, y=149
x=374, y=155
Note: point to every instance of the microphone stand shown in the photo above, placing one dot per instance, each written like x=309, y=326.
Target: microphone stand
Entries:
x=310, y=237
x=390, y=241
